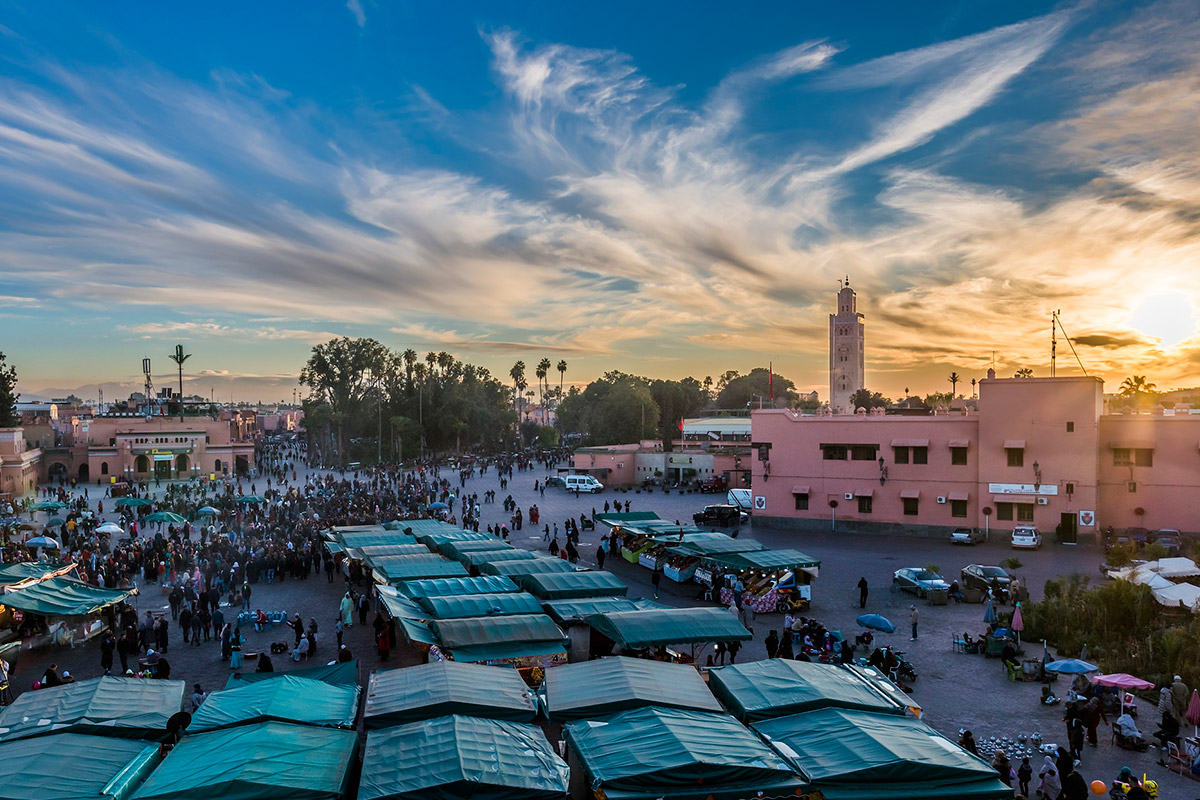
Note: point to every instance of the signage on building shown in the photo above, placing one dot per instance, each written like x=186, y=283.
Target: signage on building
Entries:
x=679, y=459
x=1045, y=489
x=760, y=502
x=1087, y=519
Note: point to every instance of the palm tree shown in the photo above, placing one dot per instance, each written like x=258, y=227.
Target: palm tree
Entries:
x=562, y=370
x=1136, y=386
x=543, y=369
x=517, y=373
x=410, y=358
x=953, y=385
x=1023, y=372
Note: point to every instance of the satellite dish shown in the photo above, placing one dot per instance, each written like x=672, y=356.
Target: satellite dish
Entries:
x=177, y=724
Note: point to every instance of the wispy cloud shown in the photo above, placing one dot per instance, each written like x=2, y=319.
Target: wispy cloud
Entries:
x=356, y=8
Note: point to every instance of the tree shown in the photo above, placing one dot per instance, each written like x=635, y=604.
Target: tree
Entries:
x=179, y=357
x=8, y=395
x=562, y=371
x=742, y=391
x=1023, y=372
x=543, y=369
x=954, y=379
x=517, y=373
x=865, y=398
x=676, y=400
x=614, y=409
x=1136, y=386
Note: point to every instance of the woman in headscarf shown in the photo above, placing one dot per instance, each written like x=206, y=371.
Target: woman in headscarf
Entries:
x=1049, y=782
x=235, y=649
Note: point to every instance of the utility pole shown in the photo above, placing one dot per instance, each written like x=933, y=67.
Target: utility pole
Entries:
x=179, y=357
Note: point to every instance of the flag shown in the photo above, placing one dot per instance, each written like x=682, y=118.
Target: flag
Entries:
x=771, y=382
x=681, y=423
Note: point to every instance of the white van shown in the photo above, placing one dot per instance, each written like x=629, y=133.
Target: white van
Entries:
x=740, y=498
x=1026, y=537
x=586, y=484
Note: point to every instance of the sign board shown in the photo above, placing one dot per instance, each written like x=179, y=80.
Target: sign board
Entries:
x=1087, y=519
x=1044, y=489
x=679, y=459
x=760, y=502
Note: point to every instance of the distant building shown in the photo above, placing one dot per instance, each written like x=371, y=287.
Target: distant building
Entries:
x=19, y=464
x=846, y=359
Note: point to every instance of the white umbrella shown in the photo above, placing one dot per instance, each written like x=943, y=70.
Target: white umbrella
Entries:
x=42, y=541
x=110, y=527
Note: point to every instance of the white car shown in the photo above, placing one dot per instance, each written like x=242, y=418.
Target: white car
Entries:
x=1026, y=537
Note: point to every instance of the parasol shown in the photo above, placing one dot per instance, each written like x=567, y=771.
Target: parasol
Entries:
x=876, y=622
x=1018, y=624
x=1122, y=680
x=1071, y=666
x=49, y=505
x=438, y=506
x=110, y=527
x=1192, y=714
x=165, y=516
x=251, y=498
x=134, y=502
x=207, y=511
x=43, y=541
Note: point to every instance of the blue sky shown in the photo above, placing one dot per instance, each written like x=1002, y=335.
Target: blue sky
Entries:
x=662, y=188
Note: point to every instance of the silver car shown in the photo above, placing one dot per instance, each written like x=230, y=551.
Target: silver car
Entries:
x=966, y=536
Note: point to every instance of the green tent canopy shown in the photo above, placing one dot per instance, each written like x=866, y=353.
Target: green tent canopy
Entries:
x=528, y=566
x=592, y=689
x=566, y=610
x=634, y=630
x=495, y=638
x=267, y=761
x=289, y=699
x=627, y=518
x=665, y=752
x=127, y=708
x=439, y=688
x=30, y=570
x=419, y=570
x=476, y=558
x=456, y=548
x=455, y=757
x=452, y=587
x=707, y=547
x=766, y=561
x=689, y=535
x=64, y=597
x=567, y=585
x=72, y=766
x=857, y=754
x=379, y=538
x=398, y=606
x=343, y=673
x=384, y=550
x=449, y=533
x=481, y=605
x=778, y=687
x=417, y=631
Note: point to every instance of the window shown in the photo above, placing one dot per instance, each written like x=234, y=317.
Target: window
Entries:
x=1016, y=456
x=801, y=502
x=1122, y=457
x=103, y=467
x=865, y=504
x=920, y=455
x=863, y=452
x=1024, y=512
x=900, y=455
x=958, y=456
x=1133, y=457
x=1070, y=488
x=958, y=508
x=1070, y=427
x=834, y=452
x=1004, y=511
x=911, y=506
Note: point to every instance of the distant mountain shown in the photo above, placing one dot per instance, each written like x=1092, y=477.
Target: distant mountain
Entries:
x=112, y=392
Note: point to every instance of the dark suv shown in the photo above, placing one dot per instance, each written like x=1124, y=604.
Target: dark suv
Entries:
x=981, y=577
x=721, y=516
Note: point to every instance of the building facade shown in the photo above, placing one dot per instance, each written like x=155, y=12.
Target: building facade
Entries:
x=846, y=351
x=19, y=464
x=1038, y=451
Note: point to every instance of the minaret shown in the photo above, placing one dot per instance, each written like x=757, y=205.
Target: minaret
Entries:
x=845, y=350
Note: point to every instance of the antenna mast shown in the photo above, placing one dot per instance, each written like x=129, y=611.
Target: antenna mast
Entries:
x=149, y=386
x=1070, y=344
x=1053, y=340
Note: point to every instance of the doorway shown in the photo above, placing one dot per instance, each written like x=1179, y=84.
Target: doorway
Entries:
x=1068, y=528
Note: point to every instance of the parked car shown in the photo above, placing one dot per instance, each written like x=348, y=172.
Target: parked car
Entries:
x=714, y=484
x=1026, y=537
x=554, y=480
x=919, y=581
x=583, y=483
x=1170, y=539
x=982, y=577
x=966, y=536
x=721, y=515
x=1139, y=535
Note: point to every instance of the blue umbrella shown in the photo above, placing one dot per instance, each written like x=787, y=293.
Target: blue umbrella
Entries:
x=876, y=623
x=438, y=506
x=1071, y=666
x=207, y=511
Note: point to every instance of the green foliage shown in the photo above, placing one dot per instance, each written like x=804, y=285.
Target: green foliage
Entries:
x=615, y=409
x=1012, y=563
x=742, y=391
x=1155, y=550
x=547, y=436
x=676, y=400
x=1125, y=629
x=8, y=395
x=865, y=398
x=1120, y=555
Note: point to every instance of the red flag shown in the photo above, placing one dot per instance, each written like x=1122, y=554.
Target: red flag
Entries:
x=681, y=423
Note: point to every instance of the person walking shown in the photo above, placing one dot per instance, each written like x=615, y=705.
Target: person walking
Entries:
x=235, y=649
x=246, y=596
x=600, y=556
x=772, y=643
x=107, y=645
x=862, y=592
x=914, y=618
x=346, y=610
x=655, y=578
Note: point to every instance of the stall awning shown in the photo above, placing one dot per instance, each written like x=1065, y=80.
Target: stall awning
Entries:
x=910, y=443
x=568, y=585
x=455, y=587
x=494, y=638
x=504, y=604
x=302, y=701
x=801, y=489
x=959, y=495
x=768, y=561
x=959, y=443
x=1014, y=444
x=128, y=708
x=342, y=673
x=778, y=687
x=634, y=630
x=439, y=688
x=910, y=494
x=64, y=597
x=75, y=765
x=591, y=689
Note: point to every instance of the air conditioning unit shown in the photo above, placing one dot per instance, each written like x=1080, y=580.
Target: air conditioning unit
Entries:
x=849, y=495
x=941, y=501
x=1043, y=501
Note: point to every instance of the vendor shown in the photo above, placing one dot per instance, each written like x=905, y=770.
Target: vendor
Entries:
x=1009, y=655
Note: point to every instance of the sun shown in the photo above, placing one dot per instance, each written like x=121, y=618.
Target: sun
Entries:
x=1170, y=318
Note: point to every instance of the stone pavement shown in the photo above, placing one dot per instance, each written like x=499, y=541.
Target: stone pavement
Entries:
x=956, y=690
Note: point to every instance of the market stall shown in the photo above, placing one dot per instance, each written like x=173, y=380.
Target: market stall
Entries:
x=455, y=549
x=303, y=701
x=525, y=567
x=522, y=641
x=596, y=689
x=439, y=688
x=681, y=561
x=341, y=673
x=779, y=687
x=480, y=605
x=574, y=610
x=418, y=568
x=772, y=580
x=126, y=708
x=639, y=630
x=477, y=558
x=73, y=765
x=453, y=587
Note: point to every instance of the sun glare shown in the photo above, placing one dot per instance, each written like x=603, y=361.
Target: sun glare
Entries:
x=1170, y=318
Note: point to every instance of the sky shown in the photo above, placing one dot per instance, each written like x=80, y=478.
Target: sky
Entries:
x=667, y=189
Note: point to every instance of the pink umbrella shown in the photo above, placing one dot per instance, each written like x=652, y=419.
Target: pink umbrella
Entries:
x=1018, y=624
x=1193, y=711
x=1122, y=680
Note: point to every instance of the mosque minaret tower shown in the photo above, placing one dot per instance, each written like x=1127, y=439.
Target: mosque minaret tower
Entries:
x=845, y=350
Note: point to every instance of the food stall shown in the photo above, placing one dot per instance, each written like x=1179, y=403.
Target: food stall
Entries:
x=772, y=580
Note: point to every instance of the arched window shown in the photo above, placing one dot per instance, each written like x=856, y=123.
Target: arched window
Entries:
x=103, y=467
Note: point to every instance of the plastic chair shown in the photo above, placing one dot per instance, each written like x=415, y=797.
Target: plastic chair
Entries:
x=1014, y=672
x=960, y=644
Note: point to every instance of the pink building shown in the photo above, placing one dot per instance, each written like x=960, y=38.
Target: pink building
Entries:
x=1039, y=451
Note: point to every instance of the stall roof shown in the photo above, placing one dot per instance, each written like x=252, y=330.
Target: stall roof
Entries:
x=767, y=560
x=399, y=606
x=707, y=547
x=64, y=597
x=267, y=761
x=452, y=587
x=591, y=689
x=456, y=756
x=439, y=688
x=289, y=699
x=567, y=585
x=373, y=539
x=30, y=570
x=420, y=570
x=563, y=610
x=633, y=630
x=127, y=708
x=652, y=752
x=437, y=538
x=72, y=766
x=481, y=605
x=418, y=631
x=411, y=548
x=530, y=566
x=858, y=754
x=496, y=555
x=493, y=638
x=629, y=517
x=455, y=549
x=778, y=687
x=343, y=673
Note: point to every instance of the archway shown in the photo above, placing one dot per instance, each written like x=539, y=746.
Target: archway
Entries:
x=103, y=467
x=181, y=465
x=142, y=464
x=242, y=465
x=84, y=473
x=217, y=465
x=58, y=471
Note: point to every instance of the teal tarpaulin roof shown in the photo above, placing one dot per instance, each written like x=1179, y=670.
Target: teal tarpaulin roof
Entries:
x=455, y=549
x=633, y=630
x=451, y=587
x=529, y=566
x=289, y=699
x=652, y=752
x=419, y=570
x=477, y=557
x=29, y=570
x=481, y=605
x=564, y=610
x=64, y=597
x=858, y=754
x=592, y=689
x=567, y=585
x=439, y=688
x=626, y=518
x=766, y=560
x=344, y=673
x=267, y=761
x=458, y=757
x=705, y=547
x=383, y=550
x=778, y=687
x=449, y=533
x=373, y=539
x=417, y=631
x=494, y=638
x=399, y=606
x=128, y=708
x=72, y=766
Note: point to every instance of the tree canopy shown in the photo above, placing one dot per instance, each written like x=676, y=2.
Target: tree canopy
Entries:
x=742, y=391
x=8, y=394
x=614, y=409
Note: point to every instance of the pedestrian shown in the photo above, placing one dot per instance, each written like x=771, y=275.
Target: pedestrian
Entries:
x=1049, y=783
x=914, y=617
x=346, y=609
x=246, y=596
x=655, y=578
x=1024, y=775
x=338, y=629
x=235, y=649
x=123, y=653
x=772, y=643
x=733, y=648
x=600, y=557
x=364, y=605
x=862, y=592
x=107, y=645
